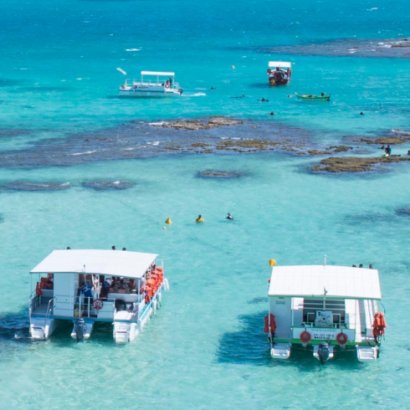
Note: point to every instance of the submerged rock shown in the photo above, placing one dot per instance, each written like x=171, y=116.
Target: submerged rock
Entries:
x=396, y=48
x=403, y=211
x=355, y=164
x=246, y=145
x=220, y=174
x=32, y=186
x=13, y=132
x=330, y=150
x=393, y=140
x=199, y=124
x=107, y=185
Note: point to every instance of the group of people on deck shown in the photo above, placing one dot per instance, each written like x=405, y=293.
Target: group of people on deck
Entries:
x=280, y=75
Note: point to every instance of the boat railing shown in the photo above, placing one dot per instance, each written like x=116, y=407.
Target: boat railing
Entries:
x=49, y=310
x=148, y=84
x=88, y=307
x=338, y=325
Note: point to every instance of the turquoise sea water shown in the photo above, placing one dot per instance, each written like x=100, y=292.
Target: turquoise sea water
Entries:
x=205, y=349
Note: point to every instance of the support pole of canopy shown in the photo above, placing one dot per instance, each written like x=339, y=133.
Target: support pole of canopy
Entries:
x=270, y=331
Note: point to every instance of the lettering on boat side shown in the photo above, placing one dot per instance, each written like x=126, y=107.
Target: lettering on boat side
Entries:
x=317, y=334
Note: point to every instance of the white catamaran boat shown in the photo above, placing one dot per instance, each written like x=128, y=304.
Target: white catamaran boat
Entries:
x=327, y=309
x=152, y=84
x=89, y=285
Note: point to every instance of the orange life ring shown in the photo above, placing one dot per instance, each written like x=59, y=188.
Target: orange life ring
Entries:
x=342, y=338
x=270, y=323
x=98, y=304
x=305, y=337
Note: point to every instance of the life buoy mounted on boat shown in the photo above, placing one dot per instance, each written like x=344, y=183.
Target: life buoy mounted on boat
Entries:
x=342, y=338
x=379, y=324
x=305, y=337
x=270, y=323
x=98, y=304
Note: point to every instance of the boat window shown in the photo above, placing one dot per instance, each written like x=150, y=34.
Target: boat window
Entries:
x=313, y=308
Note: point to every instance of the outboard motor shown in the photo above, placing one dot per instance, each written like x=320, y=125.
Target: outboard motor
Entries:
x=323, y=352
x=79, y=329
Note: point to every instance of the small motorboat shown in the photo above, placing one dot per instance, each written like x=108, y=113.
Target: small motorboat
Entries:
x=314, y=97
x=279, y=72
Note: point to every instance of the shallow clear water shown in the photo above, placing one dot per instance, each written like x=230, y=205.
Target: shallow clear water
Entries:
x=205, y=348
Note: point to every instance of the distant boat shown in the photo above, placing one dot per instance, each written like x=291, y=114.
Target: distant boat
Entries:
x=325, y=309
x=152, y=84
x=320, y=97
x=279, y=72
x=86, y=286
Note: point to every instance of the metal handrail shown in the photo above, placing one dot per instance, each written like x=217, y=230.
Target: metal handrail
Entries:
x=48, y=310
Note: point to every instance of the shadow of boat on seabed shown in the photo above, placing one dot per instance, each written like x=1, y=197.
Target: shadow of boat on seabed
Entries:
x=246, y=346
x=15, y=327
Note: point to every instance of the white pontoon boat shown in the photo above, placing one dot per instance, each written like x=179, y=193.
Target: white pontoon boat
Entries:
x=88, y=286
x=279, y=72
x=151, y=84
x=327, y=309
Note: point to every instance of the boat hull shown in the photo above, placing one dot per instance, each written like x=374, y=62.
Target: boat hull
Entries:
x=42, y=328
x=156, y=92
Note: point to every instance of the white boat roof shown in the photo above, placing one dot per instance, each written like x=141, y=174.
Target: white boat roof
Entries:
x=314, y=280
x=282, y=64
x=159, y=73
x=96, y=261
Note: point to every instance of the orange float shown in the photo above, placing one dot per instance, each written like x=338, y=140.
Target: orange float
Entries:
x=270, y=323
x=305, y=337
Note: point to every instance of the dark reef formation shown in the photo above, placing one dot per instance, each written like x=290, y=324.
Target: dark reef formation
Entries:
x=213, y=135
x=107, y=184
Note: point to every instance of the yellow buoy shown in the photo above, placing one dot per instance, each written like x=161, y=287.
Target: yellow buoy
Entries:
x=168, y=221
x=200, y=219
x=272, y=262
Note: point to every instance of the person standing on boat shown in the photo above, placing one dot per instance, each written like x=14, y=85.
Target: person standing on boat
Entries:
x=279, y=75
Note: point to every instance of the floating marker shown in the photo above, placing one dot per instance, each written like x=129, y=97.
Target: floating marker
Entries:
x=272, y=262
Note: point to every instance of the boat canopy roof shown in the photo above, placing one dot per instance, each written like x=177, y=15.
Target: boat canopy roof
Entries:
x=280, y=64
x=96, y=261
x=159, y=73
x=313, y=281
